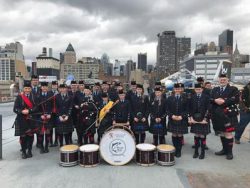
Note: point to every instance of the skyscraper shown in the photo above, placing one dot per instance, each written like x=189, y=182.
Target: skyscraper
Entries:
x=142, y=61
x=183, y=48
x=170, y=51
x=70, y=55
x=166, y=53
x=226, y=41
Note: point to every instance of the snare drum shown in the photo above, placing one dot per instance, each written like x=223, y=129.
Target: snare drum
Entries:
x=117, y=146
x=89, y=155
x=165, y=155
x=69, y=155
x=145, y=154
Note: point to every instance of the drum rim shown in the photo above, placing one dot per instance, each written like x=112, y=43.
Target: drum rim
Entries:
x=162, y=150
x=153, y=149
x=76, y=149
x=92, y=150
x=110, y=162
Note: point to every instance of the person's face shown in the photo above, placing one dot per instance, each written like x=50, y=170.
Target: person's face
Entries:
x=105, y=87
x=105, y=99
x=27, y=90
x=87, y=92
x=44, y=89
x=133, y=87
x=177, y=90
x=158, y=93
x=63, y=90
x=34, y=82
x=81, y=87
x=208, y=86
x=198, y=90
x=54, y=87
x=74, y=87
x=139, y=90
x=223, y=81
x=122, y=96
x=119, y=88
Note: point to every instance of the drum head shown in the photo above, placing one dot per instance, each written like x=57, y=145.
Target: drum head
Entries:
x=69, y=148
x=165, y=147
x=117, y=147
x=145, y=147
x=89, y=148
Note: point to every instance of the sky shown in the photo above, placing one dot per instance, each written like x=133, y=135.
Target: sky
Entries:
x=120, y=28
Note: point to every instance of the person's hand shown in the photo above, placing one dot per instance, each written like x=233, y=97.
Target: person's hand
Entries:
x=143, y=119
x=43, y=117
x=61, y=118
x=219, y=101
x=158, y=120
x=66, y=118
x=25, y=111
x=136, y=119
x=48, y=116
x=76, y=106
x=114, y=122
x=127, y=124
x=179, y=118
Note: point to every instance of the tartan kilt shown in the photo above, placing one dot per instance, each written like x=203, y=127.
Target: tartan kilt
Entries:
x=155, y=129
x=64, y=127
x=199, y=128
x=24, y=126
x=224, y=123
x=53, y=120
x=48, y=125
x=180, y=127
x=139, y=127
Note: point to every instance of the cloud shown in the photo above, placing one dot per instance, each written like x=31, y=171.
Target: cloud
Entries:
x=120, y=28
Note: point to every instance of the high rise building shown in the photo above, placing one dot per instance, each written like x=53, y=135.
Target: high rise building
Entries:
x=12, y=62
x=142, y=61
x=183, y=48
x=226, y=41
x=170, y=51
x=70, y=55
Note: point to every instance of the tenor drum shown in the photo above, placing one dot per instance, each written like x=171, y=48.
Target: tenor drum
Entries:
x=165, y=155
x=117, y=146
x=89, y=155
x=69, y=155
x=145, y=154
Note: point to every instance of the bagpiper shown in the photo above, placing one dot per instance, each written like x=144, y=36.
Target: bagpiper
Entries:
x=224, y=113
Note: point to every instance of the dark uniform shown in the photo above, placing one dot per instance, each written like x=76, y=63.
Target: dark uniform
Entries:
x=122, y=112
x=224, y=117
x=45, y=125
x=131, y=93
x=64, y=108
x=74, y=111
x=53, y=118
x=87, y=119
x=158, y=110
x=139, y=110
x=106, y=122
x=25, y=125
x=177, y=105
x=199, y=111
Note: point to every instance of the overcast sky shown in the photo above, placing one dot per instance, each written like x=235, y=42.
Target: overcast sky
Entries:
x=121, y=28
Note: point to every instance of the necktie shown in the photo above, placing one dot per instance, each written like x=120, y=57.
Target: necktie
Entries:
x=221, y=90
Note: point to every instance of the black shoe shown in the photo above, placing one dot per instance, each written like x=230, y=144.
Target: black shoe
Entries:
x=55, y=144
x=29, y=154
x=46, y=150
x=42, y=151
x=196, y=154
x=229, y=156
x=178, y=154
x=24, y=155
x=202, y=155
x=38, y=145
x=222, y=152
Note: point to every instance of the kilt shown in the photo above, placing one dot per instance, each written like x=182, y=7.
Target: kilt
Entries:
x=86, y=125
x=24, y=126
x=180, y=127
x=158, y=128
x=139, y=127
x=198, y=128
x=64, y=127
x=222, y=122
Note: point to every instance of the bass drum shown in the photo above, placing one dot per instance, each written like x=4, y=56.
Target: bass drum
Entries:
x=117, y=146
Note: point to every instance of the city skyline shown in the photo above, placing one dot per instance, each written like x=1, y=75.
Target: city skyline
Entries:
x=120, y=29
